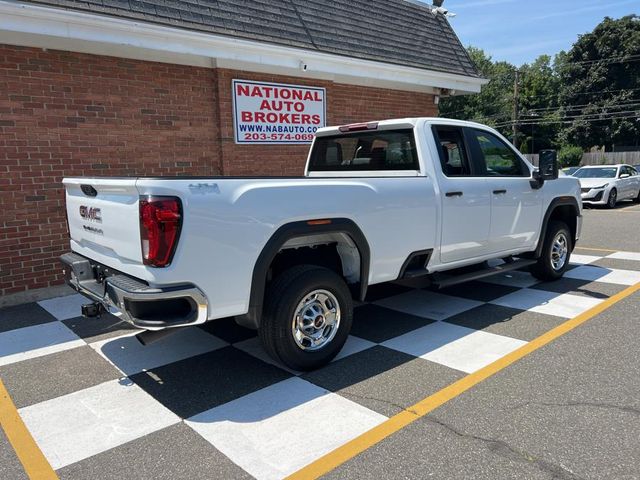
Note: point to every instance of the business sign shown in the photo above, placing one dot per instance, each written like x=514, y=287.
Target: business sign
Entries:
x=275, y=113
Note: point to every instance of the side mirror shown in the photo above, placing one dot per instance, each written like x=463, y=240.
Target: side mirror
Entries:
x=624, y=175
x=548, y=165
x=547, y=169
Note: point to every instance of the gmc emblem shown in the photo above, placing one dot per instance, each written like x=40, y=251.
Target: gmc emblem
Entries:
x=91, y=213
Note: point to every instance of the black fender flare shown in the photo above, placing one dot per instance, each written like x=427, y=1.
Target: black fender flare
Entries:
x=555, y=203
x=293, y=230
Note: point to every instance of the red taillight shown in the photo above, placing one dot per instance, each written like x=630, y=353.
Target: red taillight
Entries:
x=160, y=223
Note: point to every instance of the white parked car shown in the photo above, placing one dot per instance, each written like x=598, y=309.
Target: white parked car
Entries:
x=379, y=201
x=607, y=185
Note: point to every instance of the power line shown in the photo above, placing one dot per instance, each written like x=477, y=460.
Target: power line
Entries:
x=578, y=116
x=558, y=108
x=605, y=61
x=586, y=118
x=586, y=93
x=612, y=116
x=624, y=59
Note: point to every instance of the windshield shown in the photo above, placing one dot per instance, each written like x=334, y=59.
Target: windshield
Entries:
x=603, y=172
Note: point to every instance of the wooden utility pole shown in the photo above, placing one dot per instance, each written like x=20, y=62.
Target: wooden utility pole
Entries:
x=516, y=113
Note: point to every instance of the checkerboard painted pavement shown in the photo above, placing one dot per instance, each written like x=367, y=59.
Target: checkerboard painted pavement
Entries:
x=210, y=398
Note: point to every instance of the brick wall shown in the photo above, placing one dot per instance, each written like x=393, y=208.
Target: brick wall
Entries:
x=71, y=114
x=345, y=104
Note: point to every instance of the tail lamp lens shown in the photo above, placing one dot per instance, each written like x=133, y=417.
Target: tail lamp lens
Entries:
x=160, y=224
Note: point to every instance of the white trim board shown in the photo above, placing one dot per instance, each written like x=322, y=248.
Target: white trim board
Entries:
x=45, y=27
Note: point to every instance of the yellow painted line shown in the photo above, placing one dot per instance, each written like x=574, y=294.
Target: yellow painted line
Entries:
x=370, y=438
x=35, y=464
x=595, y=249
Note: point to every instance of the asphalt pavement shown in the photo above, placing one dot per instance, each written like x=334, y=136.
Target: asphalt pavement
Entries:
x=617, y=229
x=570, y=410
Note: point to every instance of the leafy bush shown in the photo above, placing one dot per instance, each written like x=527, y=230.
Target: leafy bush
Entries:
x=570, y=156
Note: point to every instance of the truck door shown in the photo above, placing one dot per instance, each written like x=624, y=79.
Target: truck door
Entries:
x=516, y=207
x=466, y=204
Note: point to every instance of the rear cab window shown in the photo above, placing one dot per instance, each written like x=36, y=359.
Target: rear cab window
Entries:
x=379, y=150
x=454, y=158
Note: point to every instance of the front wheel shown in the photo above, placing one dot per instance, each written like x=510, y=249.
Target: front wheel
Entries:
x=613, y=198
x=307, y=317
x=556, y=252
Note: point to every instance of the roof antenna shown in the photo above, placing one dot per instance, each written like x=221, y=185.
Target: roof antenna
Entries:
x=437, y=8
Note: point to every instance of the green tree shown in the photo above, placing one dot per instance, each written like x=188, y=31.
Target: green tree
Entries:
x=538, y=103
x=570, y=156
x=493, y=106
x=600, y=85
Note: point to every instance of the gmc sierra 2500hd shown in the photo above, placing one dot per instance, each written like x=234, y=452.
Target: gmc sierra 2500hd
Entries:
x=379, y=202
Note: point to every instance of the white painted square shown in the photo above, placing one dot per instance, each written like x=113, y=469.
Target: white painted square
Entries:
x=635, y=256
x=252, y=347
x=65, y=307
x=605, y=275
x=551, y=303
x=82, y=424
x=435, y=306
x=130, y=356
x=576, y=259
x=36, y=341
x=276, y=431
x=513, y=278
x=456, y=347
x=353, y=345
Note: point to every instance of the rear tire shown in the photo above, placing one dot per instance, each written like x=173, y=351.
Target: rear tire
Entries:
x=556, y=252
x=307, y=317
x=613, y=198
x=637, y=199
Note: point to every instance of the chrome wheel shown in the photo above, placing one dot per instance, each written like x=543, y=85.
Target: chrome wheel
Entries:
x=559, y=251
x=316, y=320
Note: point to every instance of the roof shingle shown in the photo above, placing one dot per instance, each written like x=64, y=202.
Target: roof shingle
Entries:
x=392, y=31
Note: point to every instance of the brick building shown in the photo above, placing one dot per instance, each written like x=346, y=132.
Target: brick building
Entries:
x=124, y=87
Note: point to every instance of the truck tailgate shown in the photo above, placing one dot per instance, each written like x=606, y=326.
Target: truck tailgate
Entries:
x=104, y=218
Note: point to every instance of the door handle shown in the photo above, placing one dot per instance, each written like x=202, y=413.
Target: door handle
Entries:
x=499, y=192
x=454, y=194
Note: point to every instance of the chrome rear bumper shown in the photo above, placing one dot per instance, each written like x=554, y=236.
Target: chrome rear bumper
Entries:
x=132, y=300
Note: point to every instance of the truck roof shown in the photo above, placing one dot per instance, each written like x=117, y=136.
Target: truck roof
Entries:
x=394, y=123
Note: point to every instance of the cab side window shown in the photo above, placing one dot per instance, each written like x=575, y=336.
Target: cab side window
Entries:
x=498, y=158
x=629, y=171
x=452, y=150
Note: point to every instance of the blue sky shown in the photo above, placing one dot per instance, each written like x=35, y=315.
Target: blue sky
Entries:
x=520, y=30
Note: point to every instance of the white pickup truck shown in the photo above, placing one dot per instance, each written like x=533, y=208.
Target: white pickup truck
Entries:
x=379, y=202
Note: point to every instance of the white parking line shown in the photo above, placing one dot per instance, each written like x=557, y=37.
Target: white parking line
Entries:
x=130, y=356
x=76, y=426
x=37, y=341
x=275, y=431
x=625, y=256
